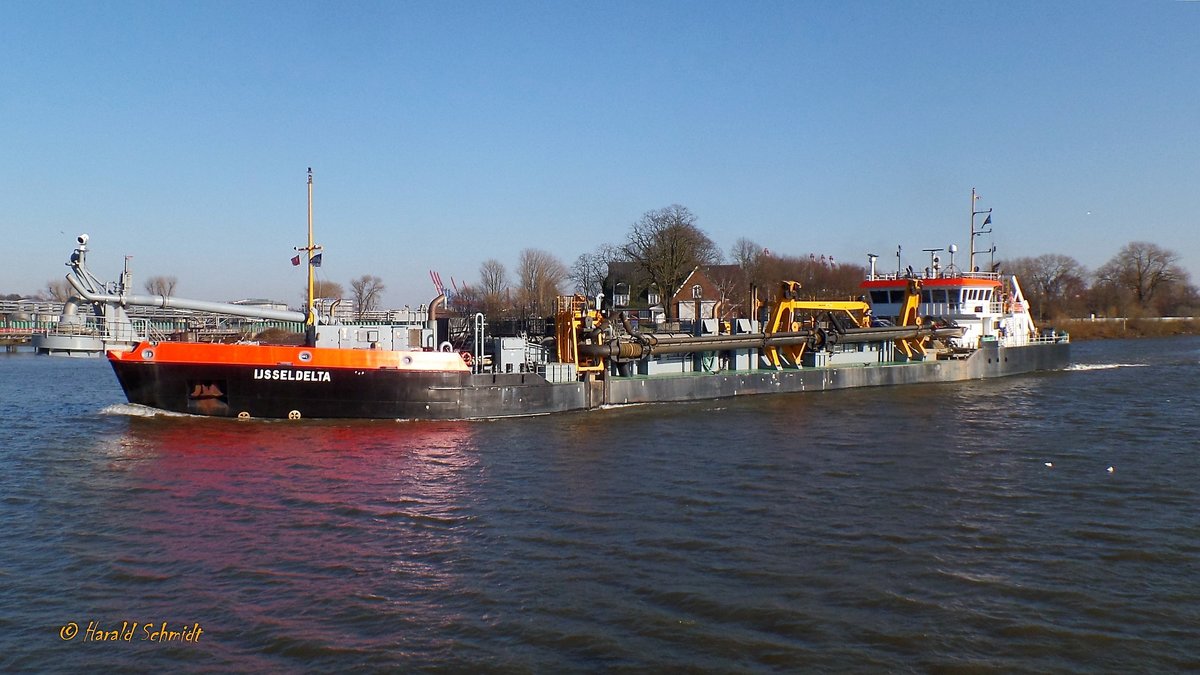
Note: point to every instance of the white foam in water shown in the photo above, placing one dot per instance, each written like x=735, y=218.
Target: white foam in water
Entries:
x=134, y=410
x=1104, y=366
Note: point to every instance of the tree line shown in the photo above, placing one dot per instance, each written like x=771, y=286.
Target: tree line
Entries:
x=661, y=248
x=1141, y=280
x=665, y=245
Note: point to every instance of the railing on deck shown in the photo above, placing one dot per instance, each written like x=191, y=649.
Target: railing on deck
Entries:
x=940, y=274
x=1059, y=337
x=94, y=327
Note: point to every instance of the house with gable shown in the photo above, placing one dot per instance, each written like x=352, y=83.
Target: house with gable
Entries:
x=719, y=287
x=715, y=289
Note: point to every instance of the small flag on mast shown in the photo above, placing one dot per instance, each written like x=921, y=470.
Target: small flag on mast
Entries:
x=295, y=261
x=316, y=260
x=988, y=220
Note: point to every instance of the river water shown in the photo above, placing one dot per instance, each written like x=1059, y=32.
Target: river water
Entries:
x=955, y=527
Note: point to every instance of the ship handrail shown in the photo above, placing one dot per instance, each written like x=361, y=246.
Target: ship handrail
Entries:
x=1059, y=337
x=137, y=330
x=895, y=276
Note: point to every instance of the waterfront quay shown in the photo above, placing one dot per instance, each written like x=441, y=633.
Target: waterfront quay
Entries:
x=20, y=320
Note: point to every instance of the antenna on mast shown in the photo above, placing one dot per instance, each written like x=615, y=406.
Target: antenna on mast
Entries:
x=974, y=232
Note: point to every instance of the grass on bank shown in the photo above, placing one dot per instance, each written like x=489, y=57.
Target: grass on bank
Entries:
x=1087, y=329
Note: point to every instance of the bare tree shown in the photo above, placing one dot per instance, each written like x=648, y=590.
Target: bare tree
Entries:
x=164, y=286
x=1053, y=283
x=668, y=245
x=1181, y=298
x=493, y=287
x=745, y=253
x=468, y=300
x=366, y=291
x=493, y=278
x=1142, y=269
x=58, y=290
x=730, y=282
x=590, y=269
x=748, y=257
x=329, y=290
x=541, y=275
x=326, y=294
x=820, y=277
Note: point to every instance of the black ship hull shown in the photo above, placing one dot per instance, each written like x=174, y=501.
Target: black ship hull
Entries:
x=382, y=393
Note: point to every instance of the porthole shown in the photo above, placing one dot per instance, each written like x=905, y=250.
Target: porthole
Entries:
x=147, y=354
x=306, y=356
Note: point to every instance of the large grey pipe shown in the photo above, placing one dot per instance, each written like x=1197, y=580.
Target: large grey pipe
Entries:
x=683, y=344
x=167, y=302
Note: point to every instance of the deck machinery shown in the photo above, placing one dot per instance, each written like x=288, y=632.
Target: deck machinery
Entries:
x=794, y=327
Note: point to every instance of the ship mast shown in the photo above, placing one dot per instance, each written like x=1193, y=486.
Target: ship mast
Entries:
x=310, y=313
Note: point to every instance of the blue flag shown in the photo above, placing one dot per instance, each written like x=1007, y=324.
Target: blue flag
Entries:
x=316, y=260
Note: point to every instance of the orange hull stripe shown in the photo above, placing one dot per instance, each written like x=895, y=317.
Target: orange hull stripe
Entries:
x=274, y=356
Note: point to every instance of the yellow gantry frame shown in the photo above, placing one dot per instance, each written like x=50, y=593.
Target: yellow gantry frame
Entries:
x=909, y=316
x=786, y=318
x=572, y=312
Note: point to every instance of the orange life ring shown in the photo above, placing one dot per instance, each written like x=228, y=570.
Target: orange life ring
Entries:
x=466, y=357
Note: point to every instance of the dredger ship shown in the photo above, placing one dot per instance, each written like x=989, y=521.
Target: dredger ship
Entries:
x=907, y=329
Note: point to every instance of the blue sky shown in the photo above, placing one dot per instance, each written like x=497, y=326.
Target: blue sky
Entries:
x=445, y=133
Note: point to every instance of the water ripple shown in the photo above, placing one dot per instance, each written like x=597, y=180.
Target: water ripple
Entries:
x=909, y=529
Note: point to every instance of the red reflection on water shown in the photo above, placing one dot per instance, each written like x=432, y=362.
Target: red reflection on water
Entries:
x=289, y=530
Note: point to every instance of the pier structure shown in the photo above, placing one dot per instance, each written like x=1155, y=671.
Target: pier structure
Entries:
x=23, y=320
